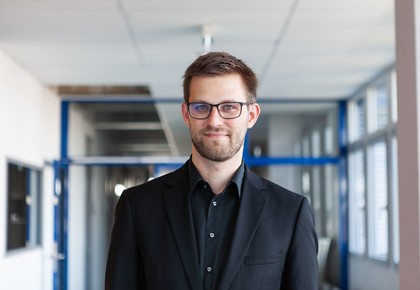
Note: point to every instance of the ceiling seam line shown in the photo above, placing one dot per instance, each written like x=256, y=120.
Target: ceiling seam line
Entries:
x=278, y=40
x=130, y=30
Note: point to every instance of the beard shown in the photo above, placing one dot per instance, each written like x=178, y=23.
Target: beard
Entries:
x=217, y=150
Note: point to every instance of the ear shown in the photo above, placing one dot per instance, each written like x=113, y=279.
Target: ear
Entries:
x=254, y=113
x=185, y=115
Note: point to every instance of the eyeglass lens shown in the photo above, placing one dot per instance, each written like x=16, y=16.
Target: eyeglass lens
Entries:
x=226, y=110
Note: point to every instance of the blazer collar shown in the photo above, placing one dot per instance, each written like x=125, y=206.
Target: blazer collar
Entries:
x=179, y=214
x=253, y=203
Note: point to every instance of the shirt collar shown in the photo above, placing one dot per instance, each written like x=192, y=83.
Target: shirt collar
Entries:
x=195, y=177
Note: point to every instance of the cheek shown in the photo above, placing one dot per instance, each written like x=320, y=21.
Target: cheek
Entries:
x=241, y=129
x=187, y=122
x=186, y=118
x=248, y=122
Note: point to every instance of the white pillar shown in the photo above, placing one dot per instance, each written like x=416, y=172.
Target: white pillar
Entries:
x=407, y=19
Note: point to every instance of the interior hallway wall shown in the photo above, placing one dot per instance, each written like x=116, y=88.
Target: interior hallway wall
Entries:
x=407, y=27
x=29, y=130
x=87, y=237
x=99, y=217
x=367, y=274
x=283, y=133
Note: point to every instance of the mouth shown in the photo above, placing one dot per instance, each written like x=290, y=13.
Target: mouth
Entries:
x=215, y=134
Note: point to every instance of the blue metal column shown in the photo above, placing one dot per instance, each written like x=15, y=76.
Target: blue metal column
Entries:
x=61, y=171
x=343, y=194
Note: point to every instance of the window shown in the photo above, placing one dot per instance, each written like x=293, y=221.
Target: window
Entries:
x=372, y=171
x=316, y=199
x=328, y=140
x=305, y=146
x=379, y=107
x=378, y=201
x=357, y=203
x=395, y=202
x=357, y=119
x=316, y=143
x=24, y=207
x=394, y=107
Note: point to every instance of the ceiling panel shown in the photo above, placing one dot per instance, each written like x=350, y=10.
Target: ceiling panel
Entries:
x=299, y=48
x=318, y=43
x=232, y=5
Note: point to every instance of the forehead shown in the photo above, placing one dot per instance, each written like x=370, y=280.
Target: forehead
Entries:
x=229, y=87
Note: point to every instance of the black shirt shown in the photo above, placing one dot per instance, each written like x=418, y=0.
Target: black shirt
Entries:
x=214, y=219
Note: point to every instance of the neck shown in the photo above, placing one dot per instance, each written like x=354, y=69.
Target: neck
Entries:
x=217, y=174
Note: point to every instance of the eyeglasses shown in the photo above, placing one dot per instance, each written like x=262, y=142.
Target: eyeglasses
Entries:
x=228, y=110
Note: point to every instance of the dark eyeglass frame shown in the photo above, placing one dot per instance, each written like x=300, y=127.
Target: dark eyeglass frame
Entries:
x=218, y=109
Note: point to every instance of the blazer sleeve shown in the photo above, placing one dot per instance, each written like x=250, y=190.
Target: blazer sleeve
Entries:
x=124, y=268
x=301, y=267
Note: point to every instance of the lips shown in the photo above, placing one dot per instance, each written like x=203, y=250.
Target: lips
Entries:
x=215, y=134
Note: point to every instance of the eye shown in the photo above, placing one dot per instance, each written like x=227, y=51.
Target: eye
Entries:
x=201, y=107
x=227, y=107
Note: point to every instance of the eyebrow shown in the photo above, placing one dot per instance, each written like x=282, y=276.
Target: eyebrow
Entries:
x=221, y=102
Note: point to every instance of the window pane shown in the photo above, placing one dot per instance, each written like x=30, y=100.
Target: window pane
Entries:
x=316, y=199
x=17, y=212
x=357, y=120
x=380, y=107
x=357, y=203
x=34, y=203
x=24, y=207
x=328, y=140
x=378, y=201
x=331, y=200
x=305, y=146
x=316, y=143
x=395, y=202
x=361, y=118
x=394, y=110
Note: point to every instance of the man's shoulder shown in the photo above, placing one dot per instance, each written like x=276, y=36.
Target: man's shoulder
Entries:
x=158, y=185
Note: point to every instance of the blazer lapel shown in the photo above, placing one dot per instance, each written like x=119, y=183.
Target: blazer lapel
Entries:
x=179, y=213
x=252, y=206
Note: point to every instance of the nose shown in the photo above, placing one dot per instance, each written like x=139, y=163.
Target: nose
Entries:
x=214, y=117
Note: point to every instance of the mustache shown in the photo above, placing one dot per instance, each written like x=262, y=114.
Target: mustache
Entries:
x=211, y=129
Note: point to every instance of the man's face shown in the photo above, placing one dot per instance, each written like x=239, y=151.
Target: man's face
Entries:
x=216, y=138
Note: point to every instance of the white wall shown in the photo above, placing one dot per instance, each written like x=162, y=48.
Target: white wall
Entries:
x=99, y=215
x=79, y=130
x=29, y=130
x=88, y=235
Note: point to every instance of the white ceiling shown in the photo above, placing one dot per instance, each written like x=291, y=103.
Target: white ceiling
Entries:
x=298, y=48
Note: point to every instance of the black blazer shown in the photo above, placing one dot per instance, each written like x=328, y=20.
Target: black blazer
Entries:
x=153, y=243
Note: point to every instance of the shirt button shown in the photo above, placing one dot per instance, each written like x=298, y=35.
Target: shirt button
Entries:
x=211, y=235
x=214, y=203
x=209, y=269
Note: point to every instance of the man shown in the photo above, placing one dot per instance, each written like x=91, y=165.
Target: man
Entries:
x=214, y=224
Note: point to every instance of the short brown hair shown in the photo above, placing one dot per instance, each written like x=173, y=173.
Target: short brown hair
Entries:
x=221, y=63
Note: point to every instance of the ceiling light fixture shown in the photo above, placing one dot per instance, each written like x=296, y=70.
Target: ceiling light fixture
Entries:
x=118, y=189
x=207, y=35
